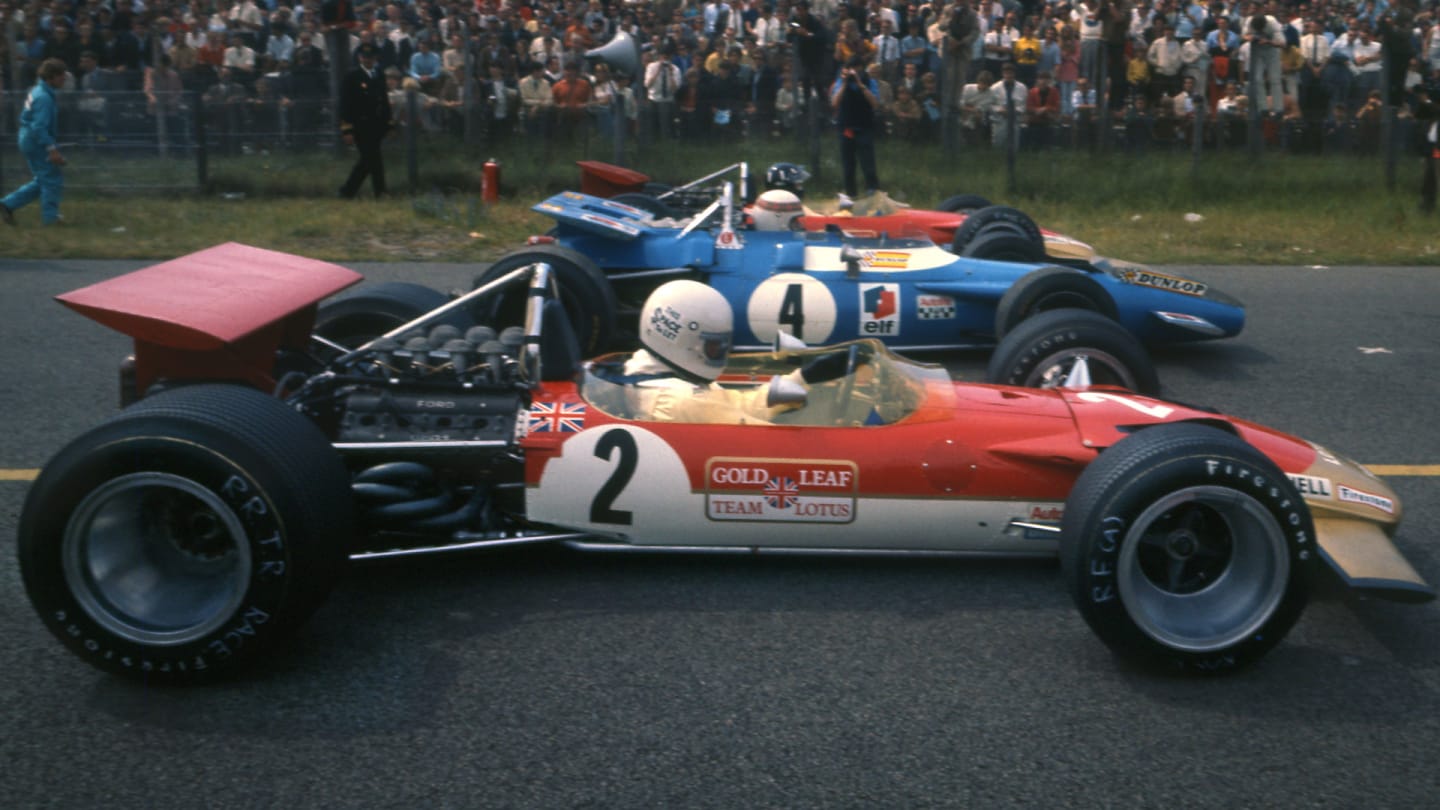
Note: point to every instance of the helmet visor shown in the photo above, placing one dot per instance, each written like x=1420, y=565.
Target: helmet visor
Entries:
x=715, y=346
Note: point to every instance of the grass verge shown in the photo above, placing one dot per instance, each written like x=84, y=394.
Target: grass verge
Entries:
x=1280, y=210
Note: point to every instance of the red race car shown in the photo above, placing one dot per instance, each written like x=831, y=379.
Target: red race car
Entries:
x=190, y=531
x=966, y=223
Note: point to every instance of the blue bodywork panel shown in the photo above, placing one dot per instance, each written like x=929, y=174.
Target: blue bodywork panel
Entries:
x=909, y=292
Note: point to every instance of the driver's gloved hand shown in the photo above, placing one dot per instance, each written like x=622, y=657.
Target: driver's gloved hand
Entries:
x=824, y=369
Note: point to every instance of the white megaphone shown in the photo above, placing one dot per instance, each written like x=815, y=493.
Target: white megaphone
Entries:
x=621, y=53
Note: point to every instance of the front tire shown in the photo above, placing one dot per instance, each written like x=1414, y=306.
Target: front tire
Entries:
x=584, y=291
x=1184, y=547
x=1048, y=288
x=1043, y=350
x=183, y=538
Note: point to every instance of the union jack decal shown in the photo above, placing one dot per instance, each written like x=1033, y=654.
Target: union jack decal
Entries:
x=781, y=493
x=557, y=417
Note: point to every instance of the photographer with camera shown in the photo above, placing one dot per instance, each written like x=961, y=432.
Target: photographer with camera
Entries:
x=855, y=97
x=1266, y=39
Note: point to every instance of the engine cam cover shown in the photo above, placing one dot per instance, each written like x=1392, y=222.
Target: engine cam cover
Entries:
x=380, y=416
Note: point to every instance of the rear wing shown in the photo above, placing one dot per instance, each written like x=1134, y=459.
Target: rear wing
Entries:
x=221, y=313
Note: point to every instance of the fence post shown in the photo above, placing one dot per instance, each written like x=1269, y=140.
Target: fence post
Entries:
x=617, y=123
x=1102, y=109
x=1012, y=141
x=202, y=154
x=1387, y=119
x=337, y=50
x=469, y=90
x=412, y=122
x=812, y=128
x=1197, y=137
x=4, y=120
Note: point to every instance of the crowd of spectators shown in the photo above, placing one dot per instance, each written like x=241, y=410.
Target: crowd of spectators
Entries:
x=751, y=68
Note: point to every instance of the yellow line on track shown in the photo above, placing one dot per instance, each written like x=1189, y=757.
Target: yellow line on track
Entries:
x=1391, y=470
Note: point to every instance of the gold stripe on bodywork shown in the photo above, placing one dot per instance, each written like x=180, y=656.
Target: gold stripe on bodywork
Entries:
x=1404, y=469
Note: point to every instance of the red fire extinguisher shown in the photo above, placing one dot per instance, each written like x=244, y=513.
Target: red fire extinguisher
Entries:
x=490, y=181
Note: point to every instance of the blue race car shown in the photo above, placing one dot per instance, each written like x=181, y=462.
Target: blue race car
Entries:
x=838, y=285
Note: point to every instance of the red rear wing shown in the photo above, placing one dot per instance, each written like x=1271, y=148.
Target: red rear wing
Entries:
x=220, y=313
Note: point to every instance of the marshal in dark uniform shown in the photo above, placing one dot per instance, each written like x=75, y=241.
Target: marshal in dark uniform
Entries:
x=364, y=121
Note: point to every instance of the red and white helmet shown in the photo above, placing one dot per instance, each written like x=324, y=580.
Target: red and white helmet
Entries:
x=775, y=210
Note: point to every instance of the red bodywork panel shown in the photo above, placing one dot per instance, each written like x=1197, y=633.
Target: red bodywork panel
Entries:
x=966, y=441
x=939, y=226
x=220, y=313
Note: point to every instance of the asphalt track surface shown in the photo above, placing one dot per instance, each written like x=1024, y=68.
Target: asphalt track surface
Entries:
x=535, y=679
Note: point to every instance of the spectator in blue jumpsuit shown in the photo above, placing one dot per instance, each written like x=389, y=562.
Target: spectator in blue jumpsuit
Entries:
x=37, y=144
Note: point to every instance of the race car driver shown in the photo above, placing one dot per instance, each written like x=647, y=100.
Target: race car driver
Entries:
x=685, y=332
x=790, y=178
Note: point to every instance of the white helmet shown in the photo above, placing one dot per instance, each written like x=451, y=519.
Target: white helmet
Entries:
x=688, y=325
x=775, y=210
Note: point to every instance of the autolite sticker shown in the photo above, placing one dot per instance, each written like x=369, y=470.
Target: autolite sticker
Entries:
x=1380, y=502
x=1160, y=281
x=1053, y=513
x=934, y=307
x=887, y=259
x=780, y=490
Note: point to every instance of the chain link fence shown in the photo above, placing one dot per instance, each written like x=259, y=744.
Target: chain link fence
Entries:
x=125, y=141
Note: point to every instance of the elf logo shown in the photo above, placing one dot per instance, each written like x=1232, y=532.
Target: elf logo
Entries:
x=880, y=309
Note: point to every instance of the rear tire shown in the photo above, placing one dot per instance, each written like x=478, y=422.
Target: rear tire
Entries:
x=963, y=204
x=371, y=311
x=183, y=538
x=977, y=221
x=1004, y=245
x=584, y=291
x=1042, y=350
x=1185, y=547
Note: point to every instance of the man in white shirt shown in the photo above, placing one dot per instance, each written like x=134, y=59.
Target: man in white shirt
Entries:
x=1165, y=58
x=536, y=101
x=887, y=51
x=1315, y=49
x=1195, y=58
x=1365, y=63
x=662, y=81
x=769, y=29
x=239, y=56
x=1007, y=95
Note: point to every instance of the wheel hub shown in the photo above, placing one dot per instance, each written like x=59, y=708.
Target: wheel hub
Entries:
x=156, y=558
x=1181, y=545
x=1202, y=568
